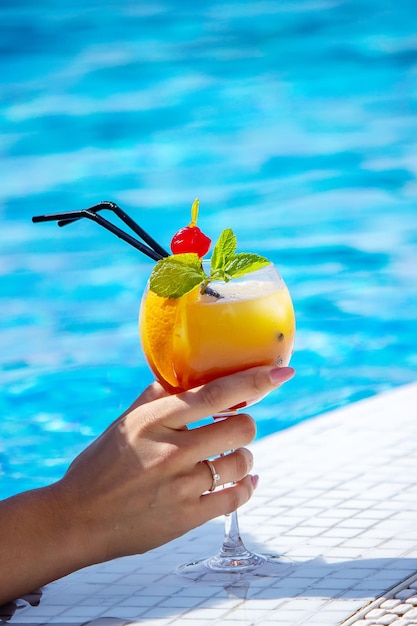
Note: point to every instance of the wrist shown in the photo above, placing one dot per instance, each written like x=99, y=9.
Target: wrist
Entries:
x=72, y=527
x=40, y=541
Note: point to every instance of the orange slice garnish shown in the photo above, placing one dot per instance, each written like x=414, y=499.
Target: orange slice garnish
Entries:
x=158, y=319
x=160, y=327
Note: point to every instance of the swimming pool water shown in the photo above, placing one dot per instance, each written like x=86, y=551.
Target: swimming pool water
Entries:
x=293, y=122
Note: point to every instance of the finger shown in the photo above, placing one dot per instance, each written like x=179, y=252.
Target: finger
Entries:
x=226, y=500
x=219, y=437
x=155, y=391
x=220, y=394
x=230, y=468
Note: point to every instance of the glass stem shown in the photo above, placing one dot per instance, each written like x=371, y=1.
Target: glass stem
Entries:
x=233, y=547
x=232, y=542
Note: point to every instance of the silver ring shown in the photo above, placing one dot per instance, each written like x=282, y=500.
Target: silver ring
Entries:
x=214, y=475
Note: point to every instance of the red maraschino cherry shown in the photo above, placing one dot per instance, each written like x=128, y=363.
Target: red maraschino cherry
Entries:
x=191, y=238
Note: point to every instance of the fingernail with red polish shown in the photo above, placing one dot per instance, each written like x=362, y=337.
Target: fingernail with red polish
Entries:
x=236, y=407
x=255, y=480
x=280, y=375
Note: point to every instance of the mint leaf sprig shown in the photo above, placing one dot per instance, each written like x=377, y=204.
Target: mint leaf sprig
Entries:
x=176, y=275
x=226, y=263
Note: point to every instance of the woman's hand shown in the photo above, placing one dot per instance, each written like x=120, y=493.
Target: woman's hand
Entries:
x=139, y=485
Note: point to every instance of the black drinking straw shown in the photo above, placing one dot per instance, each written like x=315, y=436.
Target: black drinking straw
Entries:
x=152, y=250
x=112, y=206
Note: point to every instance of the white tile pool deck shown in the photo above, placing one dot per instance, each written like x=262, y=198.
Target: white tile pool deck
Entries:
x=337, y=495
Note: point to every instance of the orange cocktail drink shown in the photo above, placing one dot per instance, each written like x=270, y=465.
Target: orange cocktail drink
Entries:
x=201, y=336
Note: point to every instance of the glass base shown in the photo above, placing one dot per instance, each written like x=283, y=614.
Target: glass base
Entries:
x=227, y=570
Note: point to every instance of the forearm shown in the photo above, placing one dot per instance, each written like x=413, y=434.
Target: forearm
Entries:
x=39, y=541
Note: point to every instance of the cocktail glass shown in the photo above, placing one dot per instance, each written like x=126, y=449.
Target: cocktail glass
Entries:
x=239, y=324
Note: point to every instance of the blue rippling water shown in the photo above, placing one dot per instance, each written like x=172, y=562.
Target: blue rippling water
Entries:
x=293, y=122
